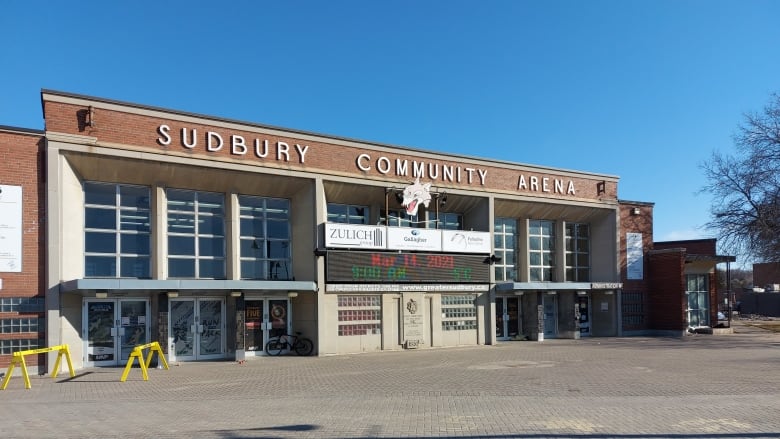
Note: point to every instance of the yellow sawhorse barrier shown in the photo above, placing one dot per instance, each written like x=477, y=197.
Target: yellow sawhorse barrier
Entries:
x=18, y=358
x=138, y=352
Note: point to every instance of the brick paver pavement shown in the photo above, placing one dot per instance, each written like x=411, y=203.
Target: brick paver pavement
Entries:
x=723, y=386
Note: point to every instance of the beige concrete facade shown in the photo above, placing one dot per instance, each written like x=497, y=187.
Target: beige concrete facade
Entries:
x=102, y=141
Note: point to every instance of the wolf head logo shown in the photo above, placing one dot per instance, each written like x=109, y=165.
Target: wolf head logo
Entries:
x=416, y=194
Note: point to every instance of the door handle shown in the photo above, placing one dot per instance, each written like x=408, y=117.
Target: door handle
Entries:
x=113, y=332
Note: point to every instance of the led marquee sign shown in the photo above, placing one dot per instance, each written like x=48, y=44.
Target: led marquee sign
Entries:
x=393, y=267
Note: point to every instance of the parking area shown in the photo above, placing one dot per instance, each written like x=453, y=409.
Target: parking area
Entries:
x=724, y=386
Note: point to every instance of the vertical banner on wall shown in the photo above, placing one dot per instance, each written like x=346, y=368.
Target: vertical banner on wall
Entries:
x=634, y=256
x=10, y=229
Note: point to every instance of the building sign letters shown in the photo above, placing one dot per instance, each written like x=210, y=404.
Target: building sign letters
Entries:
x=394, y=267
x=211, y=141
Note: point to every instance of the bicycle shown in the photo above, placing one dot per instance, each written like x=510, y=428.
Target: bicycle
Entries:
x=302, y=346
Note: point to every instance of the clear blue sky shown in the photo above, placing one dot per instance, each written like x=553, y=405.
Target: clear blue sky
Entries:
x=644, y=90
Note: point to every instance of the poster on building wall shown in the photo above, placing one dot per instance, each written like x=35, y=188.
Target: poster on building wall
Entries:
x=634, y=256
x=10, y=229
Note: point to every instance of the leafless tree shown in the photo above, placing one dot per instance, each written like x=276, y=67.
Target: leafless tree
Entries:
x=745, y=186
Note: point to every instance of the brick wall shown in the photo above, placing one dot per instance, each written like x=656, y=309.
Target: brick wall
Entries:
x=21, y=164
x=667, y=308
x=693, y=246
x=635, y=291
x=766, y=273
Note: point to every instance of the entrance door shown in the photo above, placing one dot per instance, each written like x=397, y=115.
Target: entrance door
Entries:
x=507, y=317
x=264, y=318
x=550, y=315
x=112, y=328
x=583, y=303
x=197, y=328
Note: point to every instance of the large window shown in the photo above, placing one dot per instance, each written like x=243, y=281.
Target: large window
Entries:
x=265, y=238
x=446, y=220
x=459, y=312
x=504, y=246
x=698, y=299
x=347, y=214
x=399, y=218
x=577, y=252
x=8, y=347
x=116, y=231
x=196, y=234
x=20, y=325
x=541, y=245
x=360, y=315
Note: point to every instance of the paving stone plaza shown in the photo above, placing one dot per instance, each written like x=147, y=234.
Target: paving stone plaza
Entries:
x=722, y=386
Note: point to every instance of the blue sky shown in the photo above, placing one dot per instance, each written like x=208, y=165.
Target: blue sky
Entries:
x=644, y=90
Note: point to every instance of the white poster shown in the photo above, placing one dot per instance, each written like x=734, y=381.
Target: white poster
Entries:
x=10, y=229
x=406, y=238
x=465, y=241
x=634, y=256
x=354, y=236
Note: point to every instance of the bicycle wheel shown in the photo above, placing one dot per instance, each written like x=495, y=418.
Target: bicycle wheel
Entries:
x=303, y=347
x=274, y=346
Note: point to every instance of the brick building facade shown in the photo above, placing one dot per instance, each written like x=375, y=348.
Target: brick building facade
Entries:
x=212, y=235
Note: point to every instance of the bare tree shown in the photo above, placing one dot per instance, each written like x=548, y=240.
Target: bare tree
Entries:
x=745, y=213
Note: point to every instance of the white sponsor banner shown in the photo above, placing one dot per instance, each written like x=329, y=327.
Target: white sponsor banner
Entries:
x=10, y=229
x=355, y=236
x=465, y=241
x=405, y=238
x=634, y=256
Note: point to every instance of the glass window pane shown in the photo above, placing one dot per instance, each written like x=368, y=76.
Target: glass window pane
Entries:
x=211, y=203
x=509, y=241
x=252, y=227
x=277, y=208
x=211, y=225
x=583, y=275
x=100, y=218
x=181, y=245
x=571, y=274
x=534, y=243
x=101, y=194
x=137, y=267
x=278, y=249
x=547, y=228
x=535, y=258
x=252, y=248
x=278, y=229
x=509, y=258
x=98, y=266
x=569, y=259
x=134, y=220
x=535, y=274
x=181, y=223
x=134, y=196
x=252, y=270
x=211, y=246
x=211, y=268
x=583, y=260
x=498, y=241
x=547, y=244
x=95, y=242
x=181, y=267
x=181, y=200
x=499, y=273
x=134, y=244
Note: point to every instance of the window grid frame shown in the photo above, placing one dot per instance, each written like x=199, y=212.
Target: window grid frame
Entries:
x=546, y=272
x=507, y=270
x=117, y=231
x=459, y=312
x=196, y=213
x=332, y=218
x=262, y=243
x=572, y=240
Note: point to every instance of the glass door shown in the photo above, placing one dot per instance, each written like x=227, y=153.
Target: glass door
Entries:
x=100, y=332
x=197, y=328
x=583, y=302
x=264, y=318
x=113, y=327
x=508, y=317
x=550, y=315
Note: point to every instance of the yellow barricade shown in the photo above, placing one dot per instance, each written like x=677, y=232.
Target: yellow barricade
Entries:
x=18, y=358
x=138, y=352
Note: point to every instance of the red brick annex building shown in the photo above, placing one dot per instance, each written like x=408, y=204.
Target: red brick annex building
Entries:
x=123, y=224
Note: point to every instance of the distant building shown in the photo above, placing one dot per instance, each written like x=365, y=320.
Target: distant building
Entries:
x=767, y=276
